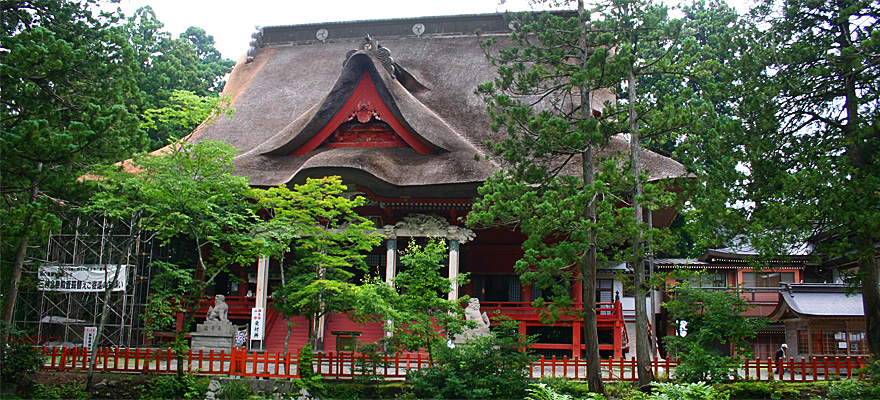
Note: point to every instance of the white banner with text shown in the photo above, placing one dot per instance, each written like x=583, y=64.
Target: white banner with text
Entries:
x=82, y=278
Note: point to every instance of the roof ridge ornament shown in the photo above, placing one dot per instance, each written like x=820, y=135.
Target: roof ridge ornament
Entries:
x=255, y=44
x=381, y=52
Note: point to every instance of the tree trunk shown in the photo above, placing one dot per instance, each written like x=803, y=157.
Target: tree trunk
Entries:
x=643, y=344
x=18, y=263
x=588, y=273
x=588, y=262
x=870, y=273
x=124, y=258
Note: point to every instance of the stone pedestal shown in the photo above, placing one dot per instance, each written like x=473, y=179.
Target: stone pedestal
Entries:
x=214, y=335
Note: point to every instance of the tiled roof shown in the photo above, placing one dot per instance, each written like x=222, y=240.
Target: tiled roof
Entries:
x=819, y=300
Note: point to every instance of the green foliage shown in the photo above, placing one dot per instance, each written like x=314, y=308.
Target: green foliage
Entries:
x=18, y=360
x=68, y=103
x=851, y=389
x=330, y=241
x=544, y=391
x=64, y=392
x=419, y=304
x=575, y=388
x=491, y=367
x=187, y=110
x=304, y=364
x=236, y=389
x=686, y=391
x=762, y=390
x=186, y=193
x=872, y=372
x=798, y=159
x=167, y=67
x=186, y=386
x=713, y=318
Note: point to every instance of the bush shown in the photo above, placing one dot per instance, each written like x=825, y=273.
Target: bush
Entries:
x=851, y=389
x=70, y=391
x=686, y=391
x=574, y=388
x=304, y=364
x=187, y=386
x=543, y=391
x=234, y=390
x=697, y=364
x=18, y=360
x=492, y=367
x=763, y=390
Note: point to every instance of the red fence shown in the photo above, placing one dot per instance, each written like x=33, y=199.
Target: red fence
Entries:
x=239, y=362
x=814, y=369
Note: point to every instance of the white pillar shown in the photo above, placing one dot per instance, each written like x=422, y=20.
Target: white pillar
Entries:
x=262, y=289
x=391, y=260
x=262, y=281
x=390, y=274
x=453, y=268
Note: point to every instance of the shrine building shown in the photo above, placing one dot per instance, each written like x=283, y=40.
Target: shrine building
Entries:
x=390, y=106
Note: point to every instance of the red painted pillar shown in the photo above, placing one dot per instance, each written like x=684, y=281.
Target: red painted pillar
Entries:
x=618, y=340
x=577, y=328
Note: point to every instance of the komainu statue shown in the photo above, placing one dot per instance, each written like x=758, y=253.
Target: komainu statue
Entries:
x=220, y=310
x=472, y=313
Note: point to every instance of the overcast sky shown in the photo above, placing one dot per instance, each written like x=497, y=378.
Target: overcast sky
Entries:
x=232, y=22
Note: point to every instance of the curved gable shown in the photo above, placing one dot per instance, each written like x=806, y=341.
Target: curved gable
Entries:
x=361, y=92
x=367, y=108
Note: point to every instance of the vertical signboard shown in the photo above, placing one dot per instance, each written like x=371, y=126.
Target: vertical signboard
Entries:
x=257, y=322
x=90, y=333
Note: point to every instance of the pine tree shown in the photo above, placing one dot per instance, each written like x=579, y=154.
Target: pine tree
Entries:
x=68, y=87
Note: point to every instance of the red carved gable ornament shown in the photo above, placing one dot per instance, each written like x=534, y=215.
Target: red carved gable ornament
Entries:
x=363, y=121
x=365, y=112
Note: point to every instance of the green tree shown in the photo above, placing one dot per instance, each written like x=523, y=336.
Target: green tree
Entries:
x=497, y=366
x=189, y=63
x=710, y=318
x=331, y=242
x=549, y=83
x=418, y=305
x=660, y=59
x=805, y=154
x=187, y=192
x=66, y=76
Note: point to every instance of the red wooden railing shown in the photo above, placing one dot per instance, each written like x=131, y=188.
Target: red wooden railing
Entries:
x=240, y=362
x=814, y=369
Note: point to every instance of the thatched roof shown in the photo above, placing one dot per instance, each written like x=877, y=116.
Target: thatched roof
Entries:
x=297, y=83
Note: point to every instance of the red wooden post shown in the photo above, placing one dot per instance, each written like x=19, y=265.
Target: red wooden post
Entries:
x=256, y=360
x=746, y=368
x=837, y=366
x=147, y=361
x=541, y=369
x=803, y=369
x=825, y=365
x=815, y=369
x=63, y=359
x=73, y=357
x=618, y=340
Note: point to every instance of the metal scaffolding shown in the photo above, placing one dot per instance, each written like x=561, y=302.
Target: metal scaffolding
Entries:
x=61, y=317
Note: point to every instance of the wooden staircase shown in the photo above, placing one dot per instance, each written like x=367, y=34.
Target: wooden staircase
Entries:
x=276, y=331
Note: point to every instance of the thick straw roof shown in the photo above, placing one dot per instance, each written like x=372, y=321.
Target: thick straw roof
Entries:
x=296, y=84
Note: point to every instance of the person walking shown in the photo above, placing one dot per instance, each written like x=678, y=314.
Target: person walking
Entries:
x=780, y=355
